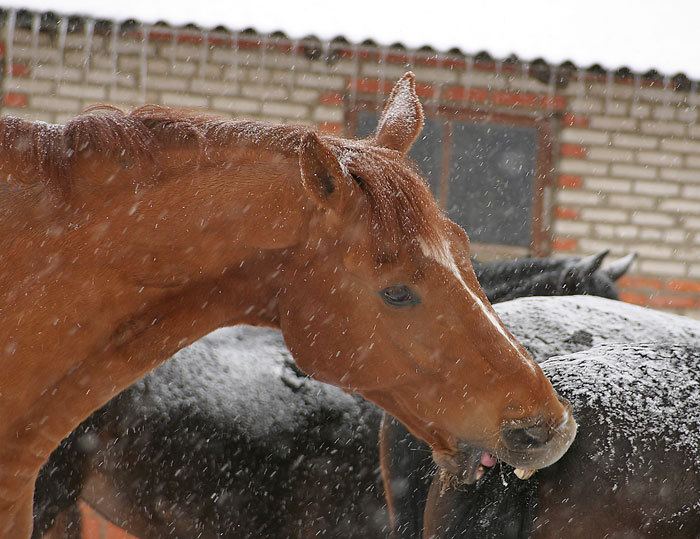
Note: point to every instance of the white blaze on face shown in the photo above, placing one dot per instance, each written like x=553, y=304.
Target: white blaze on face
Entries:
x=442, y=254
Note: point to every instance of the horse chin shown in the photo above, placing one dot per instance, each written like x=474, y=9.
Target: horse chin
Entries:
x=465, y=466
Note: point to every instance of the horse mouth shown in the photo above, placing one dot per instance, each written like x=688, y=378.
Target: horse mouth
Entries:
x=468, y=466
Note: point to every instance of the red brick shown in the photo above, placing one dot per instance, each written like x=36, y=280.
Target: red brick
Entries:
x=553, y=102
x=635, y=297
x=460, y=93
x=190, y=38
x=566, y=212
x=397, y=58
x=424, y=90
x=574, y=120
x=159, y=35
x=633, y=281
x=511, y=99
x=567, y=181
x=682, y=285
x=332, y=128
x=2, y=49
x=454, y=63
x=564, y=244
x=13, y=99
x=19, y=69
x=372, y=86
x=673, y=302
x=331, y=98
x=573, y=150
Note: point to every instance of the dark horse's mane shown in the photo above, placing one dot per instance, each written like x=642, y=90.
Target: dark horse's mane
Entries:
x=400, y=204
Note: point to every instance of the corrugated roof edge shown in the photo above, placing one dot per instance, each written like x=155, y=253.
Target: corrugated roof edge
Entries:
x=539, y=68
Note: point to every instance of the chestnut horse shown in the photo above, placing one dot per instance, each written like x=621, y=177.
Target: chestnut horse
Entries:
x=125, y=237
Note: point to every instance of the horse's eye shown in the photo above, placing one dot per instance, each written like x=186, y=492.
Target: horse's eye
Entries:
x=399, y=296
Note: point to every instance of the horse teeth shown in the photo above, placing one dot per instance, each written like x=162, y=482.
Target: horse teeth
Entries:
x=524, y=474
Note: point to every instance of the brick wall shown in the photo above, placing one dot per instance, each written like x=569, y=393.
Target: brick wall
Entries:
x=626, y=172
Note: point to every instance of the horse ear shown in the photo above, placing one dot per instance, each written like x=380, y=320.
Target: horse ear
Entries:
x=402, y=119
x=321, y=173
x=618, y=268
x=592, y=263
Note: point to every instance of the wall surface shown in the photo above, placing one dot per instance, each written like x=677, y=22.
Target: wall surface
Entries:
x=624, y=165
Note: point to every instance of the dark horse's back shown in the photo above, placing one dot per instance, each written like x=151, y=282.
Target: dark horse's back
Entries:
x=266, y=446
x=633, y=470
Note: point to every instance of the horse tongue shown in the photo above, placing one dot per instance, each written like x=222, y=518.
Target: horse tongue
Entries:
x=488, y=460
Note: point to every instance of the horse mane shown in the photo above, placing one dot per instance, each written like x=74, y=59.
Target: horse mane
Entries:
x=400, y=204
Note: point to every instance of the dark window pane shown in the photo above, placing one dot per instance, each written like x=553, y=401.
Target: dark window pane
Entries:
x=492, y=172
x=426, y=150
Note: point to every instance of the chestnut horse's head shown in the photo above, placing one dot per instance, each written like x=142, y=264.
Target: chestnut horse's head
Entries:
x=386, y=304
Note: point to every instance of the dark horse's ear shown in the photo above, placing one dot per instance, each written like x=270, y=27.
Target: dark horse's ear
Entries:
x=402, y=119
x=589, y=265
x=321, y=173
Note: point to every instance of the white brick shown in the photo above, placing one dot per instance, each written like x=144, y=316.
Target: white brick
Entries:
x=129, y=95
x=691, y=191
x=436, y=74
x=631, y=202
x=264, y=92
x=328, y=114
x=691, y=222
x=652, y=250
x=585, y=105
x=676, y=236
x=678, y=205
x=688, y=176
x=236, y=105
x=650, y=234
x=82, y=91
x=183, y=100
x=626, y=232
x=613, y=123
x=157, y=82
x=581, y=166
x=598, y=153
x=287, y=110
x=55, y=104
x=634, y=141
x=330, y=82
x=213, y=87
x=304, y=95
x=694, y=131
x=29, y=86
x=663, y=113
x=652, y=218
x=656, y=188
x=663, y=159
x=604, y=215
x=639, y=110
x=692, y=161
x=571, y=228
x=662, y=128
x=594, y=246
x=664, y=95
x=609, y=185
x=385, y=71
x=688, y=115
x=661, y=268
x=680, y=145
x=578, y=198
x=633, y=171
x=483, y=79
x=694, y=271
x=615, y=108
x=584, y=136
x=604, y=231
x=58, y=73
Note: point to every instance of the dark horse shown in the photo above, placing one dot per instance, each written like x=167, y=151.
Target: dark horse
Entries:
x=618, y=500
x=249, y=435
x=633, y=470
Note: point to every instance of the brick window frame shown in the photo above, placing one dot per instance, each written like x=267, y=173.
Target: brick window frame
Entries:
x=540, y=238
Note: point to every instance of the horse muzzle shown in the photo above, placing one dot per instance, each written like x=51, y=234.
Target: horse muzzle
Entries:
x=525, y=445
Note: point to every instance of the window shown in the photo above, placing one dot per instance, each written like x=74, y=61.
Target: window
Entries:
x=487, y=170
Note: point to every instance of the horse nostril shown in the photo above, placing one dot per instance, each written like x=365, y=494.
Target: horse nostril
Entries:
x=523, y=438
